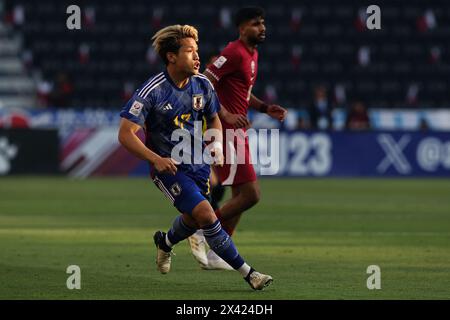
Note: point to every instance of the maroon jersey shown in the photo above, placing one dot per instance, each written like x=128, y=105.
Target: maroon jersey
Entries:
x=235, y=72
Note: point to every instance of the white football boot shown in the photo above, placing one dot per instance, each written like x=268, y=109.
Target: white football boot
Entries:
x=197, y=242
x=215, y=262
x=258, y=281
x=163, y=258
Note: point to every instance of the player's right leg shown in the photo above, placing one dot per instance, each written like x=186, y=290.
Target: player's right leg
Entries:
x=244, y=196
x=180, y=190
x=222, y=244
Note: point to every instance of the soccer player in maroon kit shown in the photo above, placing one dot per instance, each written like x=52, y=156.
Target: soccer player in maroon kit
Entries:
x=233, y=75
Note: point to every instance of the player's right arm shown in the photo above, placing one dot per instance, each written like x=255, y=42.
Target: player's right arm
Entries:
x=236, y=120
x=129, y=139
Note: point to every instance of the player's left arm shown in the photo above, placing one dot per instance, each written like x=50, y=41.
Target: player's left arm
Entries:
x=216, y=146
x=273, y=110
x=213, y=124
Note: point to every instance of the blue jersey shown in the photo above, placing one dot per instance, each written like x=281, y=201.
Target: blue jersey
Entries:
x=160, y=107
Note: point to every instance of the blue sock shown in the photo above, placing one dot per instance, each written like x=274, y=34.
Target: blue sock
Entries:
x=179, y=231
x=220, y=242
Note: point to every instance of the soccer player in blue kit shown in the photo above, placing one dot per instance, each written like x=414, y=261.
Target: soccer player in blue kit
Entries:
x=175, y=100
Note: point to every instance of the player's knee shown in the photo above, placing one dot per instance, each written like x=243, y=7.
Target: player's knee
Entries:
x=203, y=214
x=190, y=222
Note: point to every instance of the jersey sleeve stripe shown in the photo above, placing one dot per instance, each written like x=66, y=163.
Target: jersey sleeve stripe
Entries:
x=202, y=76
x=151, y=82
x=153, y=87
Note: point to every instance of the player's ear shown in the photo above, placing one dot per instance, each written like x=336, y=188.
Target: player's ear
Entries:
x=171, y=57
x=241, y=28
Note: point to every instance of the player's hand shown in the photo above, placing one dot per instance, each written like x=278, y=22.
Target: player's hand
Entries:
x=217, y=154
x=166, y=165
x=277, y=112
x=237, y=120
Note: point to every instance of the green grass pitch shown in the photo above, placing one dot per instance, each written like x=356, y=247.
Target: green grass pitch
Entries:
x=316, y=237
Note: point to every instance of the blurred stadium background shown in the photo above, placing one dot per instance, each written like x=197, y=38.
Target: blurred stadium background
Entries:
x=369, y=114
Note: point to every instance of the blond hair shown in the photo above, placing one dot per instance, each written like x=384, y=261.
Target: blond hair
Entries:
x=168, y=39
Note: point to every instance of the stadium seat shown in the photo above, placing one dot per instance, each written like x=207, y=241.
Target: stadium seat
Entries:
x=121, y=33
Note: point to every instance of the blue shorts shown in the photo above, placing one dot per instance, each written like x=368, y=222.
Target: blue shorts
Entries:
x=184, y=191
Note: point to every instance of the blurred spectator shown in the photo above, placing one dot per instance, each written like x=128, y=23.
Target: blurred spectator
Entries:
x=61, y=94
x=339, y=95
x=270, y=94
x=44, y=89
x=435, y=55
x=89, y=17
x=27, y=58
x=151, y=55
x=296, y=56
x=357, y=117
x=296, y=19
x=426, y=22
x=157, y=17
x=84, y=53
x=225, y=18
x=302, y=123
x=320, y=109
x=15, y=14
x=360, y=21
x=19, y=15
x=412, y=95
x=364, y=56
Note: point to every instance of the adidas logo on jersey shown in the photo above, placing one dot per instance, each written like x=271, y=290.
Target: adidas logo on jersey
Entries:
x=167, y=107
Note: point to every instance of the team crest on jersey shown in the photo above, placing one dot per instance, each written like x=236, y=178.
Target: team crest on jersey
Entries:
x=219, y=62
x=197, y=102
x=136, y=108
x=175, y=189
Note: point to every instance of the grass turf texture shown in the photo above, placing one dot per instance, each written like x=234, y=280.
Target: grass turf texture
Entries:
x=316, y=237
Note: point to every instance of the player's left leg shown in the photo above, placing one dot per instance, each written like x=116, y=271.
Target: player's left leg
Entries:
x=213, y=261
x=222, y=244
x=244, y=196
